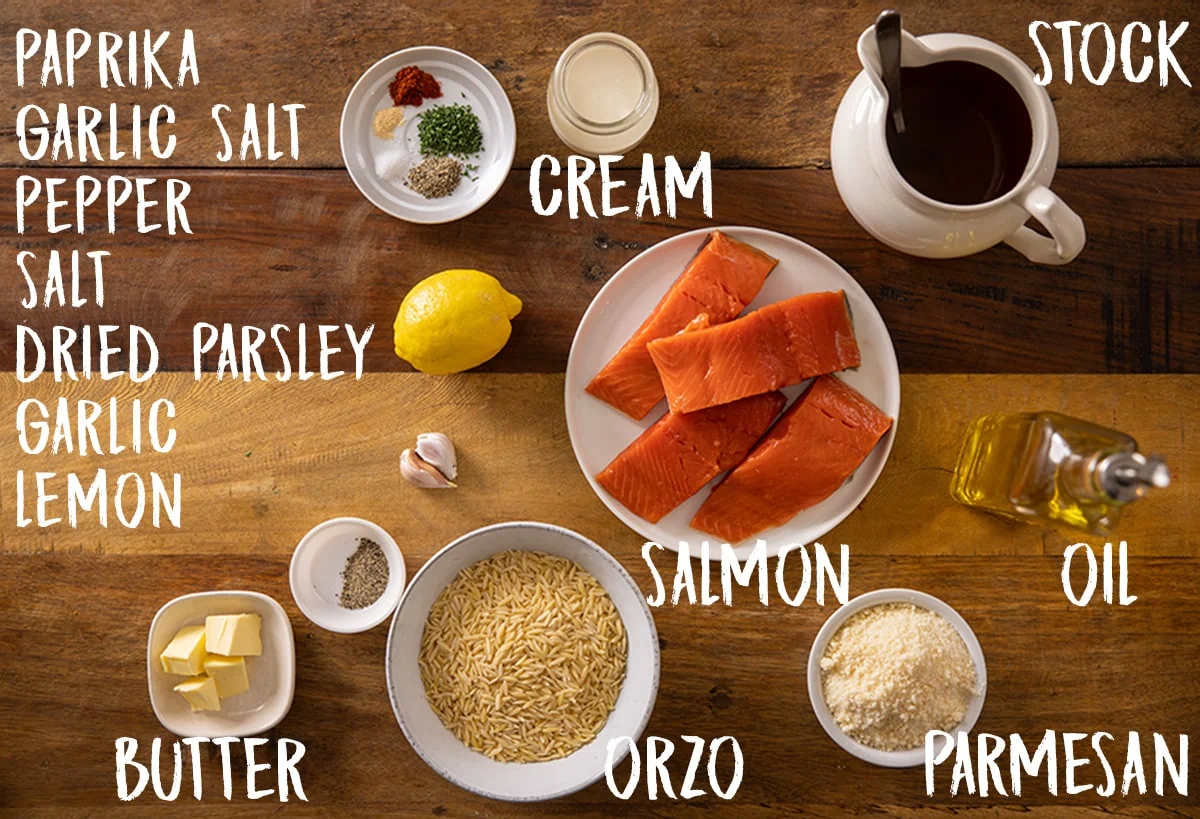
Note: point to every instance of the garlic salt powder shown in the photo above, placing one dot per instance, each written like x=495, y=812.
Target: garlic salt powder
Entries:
x=894, y=672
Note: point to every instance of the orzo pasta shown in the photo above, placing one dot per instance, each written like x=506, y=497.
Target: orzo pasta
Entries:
x=523, y=656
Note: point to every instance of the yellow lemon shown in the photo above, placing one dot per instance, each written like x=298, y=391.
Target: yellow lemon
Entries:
x=453, y=321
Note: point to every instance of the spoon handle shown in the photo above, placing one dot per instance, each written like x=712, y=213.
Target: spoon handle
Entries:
x=887, y=38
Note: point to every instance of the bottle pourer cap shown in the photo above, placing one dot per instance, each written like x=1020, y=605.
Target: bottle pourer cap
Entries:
x=1126, y=476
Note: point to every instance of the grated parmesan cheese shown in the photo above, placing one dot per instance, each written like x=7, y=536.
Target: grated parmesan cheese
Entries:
x=895, y=671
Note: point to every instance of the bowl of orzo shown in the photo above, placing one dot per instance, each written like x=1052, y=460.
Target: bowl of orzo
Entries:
x=517, y=653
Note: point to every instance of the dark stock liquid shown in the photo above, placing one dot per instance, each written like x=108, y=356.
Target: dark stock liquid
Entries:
x=967, y=135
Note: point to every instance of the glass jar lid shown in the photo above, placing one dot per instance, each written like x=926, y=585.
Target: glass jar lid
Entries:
x=603, y=84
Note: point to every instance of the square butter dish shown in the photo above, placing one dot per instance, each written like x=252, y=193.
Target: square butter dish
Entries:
x=272, y=674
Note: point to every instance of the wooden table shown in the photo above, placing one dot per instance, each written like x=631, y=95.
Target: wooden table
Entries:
x=1112, y=337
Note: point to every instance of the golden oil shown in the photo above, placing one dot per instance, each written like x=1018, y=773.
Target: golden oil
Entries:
x=1049, y=466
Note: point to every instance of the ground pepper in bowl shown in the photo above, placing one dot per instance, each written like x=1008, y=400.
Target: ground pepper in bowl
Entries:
x=365, y=576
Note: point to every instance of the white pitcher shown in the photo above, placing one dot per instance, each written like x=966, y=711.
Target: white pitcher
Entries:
x=897, y=214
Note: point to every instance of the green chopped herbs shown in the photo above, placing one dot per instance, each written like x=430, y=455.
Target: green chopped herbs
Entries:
x=450, y=130
x=445, y=132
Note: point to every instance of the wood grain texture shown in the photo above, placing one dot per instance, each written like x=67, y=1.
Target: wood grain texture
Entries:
x=261, y=463
x=75, y=623
x=755, y=82
x=306, y=247
x=264, y=462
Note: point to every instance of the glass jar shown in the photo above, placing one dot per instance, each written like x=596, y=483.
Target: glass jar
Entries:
x=602, y=96
x=1049, y=466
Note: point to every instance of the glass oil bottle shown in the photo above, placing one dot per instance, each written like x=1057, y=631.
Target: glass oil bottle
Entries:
x=1049, y=466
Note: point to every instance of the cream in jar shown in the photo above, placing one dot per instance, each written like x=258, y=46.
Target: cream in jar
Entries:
x=603, y=96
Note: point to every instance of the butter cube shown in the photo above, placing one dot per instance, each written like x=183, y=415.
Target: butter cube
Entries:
x=201, y=693
x=229, y=673
x=185, y=653
x=234, y=635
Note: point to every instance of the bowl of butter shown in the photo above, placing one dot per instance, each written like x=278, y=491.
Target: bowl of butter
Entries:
x=221, y=663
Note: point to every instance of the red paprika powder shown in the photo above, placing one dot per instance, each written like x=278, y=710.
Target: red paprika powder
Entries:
x=412, y=86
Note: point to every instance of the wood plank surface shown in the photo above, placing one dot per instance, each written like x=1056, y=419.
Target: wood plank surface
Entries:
x=75, y=624
x=261, y=463
x=264, y=462
x=755, y=82
x=1113, y=337
x=305, y=246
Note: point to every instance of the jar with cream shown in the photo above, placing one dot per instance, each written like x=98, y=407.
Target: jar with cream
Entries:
x=603, y=96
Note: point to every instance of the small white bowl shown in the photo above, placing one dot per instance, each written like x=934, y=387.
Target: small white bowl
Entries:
x=463, y=81
x=891, y=759
x=444, y=752
x=272, y=675
x=316, y=575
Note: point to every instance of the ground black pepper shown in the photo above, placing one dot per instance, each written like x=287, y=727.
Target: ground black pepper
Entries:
x=365, y=577
x=436, y=177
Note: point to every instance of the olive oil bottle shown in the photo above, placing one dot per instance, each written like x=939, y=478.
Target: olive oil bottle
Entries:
x=1049, y=466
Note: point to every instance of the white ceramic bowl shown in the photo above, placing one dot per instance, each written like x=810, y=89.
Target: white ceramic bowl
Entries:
x=316, y=575
x=272, y=675
x=534, y=781
x=599, y=432
x=463, y=80
x=891, y=759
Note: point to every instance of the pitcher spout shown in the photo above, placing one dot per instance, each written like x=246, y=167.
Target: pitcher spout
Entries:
x=912, y=52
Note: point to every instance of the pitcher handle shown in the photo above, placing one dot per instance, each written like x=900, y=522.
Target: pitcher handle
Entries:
x=1067, y=235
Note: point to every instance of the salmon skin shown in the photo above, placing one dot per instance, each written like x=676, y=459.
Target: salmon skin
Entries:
x=780, y=344
x=720, y=280
x=818, y=443
x=676, y=456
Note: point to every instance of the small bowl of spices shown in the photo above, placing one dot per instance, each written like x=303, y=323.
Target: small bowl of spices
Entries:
x=428, y=134
x=347, y=575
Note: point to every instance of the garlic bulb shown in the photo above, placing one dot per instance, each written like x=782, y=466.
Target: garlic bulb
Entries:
x=437, y=449
x=420, y=473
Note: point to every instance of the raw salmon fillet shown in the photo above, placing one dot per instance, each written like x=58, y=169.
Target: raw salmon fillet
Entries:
x=807, y=455
x=719, y=281
x=676, y=456
x=781, y=344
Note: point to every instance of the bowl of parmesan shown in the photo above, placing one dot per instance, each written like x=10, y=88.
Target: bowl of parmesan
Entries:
x=889, y=667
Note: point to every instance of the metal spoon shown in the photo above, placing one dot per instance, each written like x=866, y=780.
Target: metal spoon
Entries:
x=887, y=38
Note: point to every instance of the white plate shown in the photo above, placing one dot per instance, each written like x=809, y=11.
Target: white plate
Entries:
x=891, y=759
x=315, y=575
x=599, y=432
x=513, y=781
x=463, y=80
x=272, y=675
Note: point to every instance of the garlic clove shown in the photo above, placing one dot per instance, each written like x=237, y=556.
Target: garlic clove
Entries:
x=437, y=449
x=422, y=474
